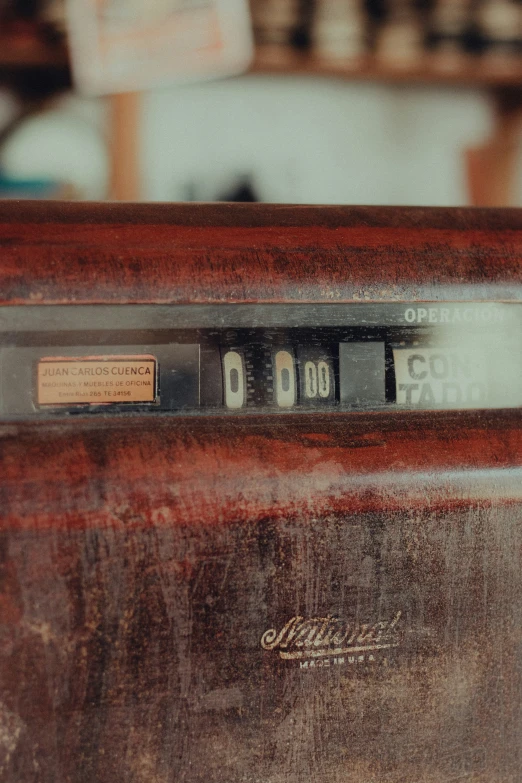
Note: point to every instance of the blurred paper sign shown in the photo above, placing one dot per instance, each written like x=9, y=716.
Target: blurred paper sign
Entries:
x=128, y=45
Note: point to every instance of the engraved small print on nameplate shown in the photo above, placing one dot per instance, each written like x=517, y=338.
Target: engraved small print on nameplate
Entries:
x=96, y=380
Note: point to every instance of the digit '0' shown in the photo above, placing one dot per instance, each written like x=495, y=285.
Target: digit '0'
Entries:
x=310, y=380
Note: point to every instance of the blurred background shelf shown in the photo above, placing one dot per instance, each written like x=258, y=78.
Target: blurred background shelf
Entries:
x=469, y=70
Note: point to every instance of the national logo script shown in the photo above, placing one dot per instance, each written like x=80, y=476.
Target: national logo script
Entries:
x=318, y=637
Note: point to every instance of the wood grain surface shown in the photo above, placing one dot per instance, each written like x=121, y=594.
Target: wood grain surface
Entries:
x=143, y=563
x=260, y=599
x=169, y=253
x=195, y=466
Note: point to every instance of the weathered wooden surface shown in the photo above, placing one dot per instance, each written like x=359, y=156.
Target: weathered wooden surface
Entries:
x=214, y=471
x=142, y=564
x=149, y=566
x=54, y=253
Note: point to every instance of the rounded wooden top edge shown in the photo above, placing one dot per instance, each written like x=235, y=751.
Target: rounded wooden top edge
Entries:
x=235, y=215
x=59, y=253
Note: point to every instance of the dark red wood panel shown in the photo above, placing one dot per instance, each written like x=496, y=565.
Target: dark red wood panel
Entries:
x=142, y=565
x=75, y=474
x=58, y=253
x=260, y=599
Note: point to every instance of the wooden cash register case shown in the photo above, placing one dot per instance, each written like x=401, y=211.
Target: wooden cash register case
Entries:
x=260, y=595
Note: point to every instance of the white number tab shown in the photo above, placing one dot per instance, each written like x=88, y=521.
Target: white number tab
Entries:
x=234, y=380
x=284, y=379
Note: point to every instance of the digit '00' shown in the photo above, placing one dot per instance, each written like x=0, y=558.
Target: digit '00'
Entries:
x=317, y=379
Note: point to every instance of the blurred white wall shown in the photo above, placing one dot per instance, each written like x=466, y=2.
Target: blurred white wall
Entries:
x=299, y=140
x=66, y=142
x=311, y=141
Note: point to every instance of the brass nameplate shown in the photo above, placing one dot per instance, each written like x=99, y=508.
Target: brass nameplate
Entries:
x=96, y=380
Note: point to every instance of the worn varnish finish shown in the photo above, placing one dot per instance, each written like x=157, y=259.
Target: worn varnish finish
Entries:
x=143, y=559
x=246, y=253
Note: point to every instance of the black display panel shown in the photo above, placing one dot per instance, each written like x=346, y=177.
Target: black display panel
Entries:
x=202, y=359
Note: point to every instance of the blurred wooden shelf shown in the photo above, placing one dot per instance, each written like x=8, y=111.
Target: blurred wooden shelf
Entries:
x=465, y=70
x=30, y=53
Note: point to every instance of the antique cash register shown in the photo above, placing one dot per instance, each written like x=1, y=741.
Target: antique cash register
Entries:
x=261, y=494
